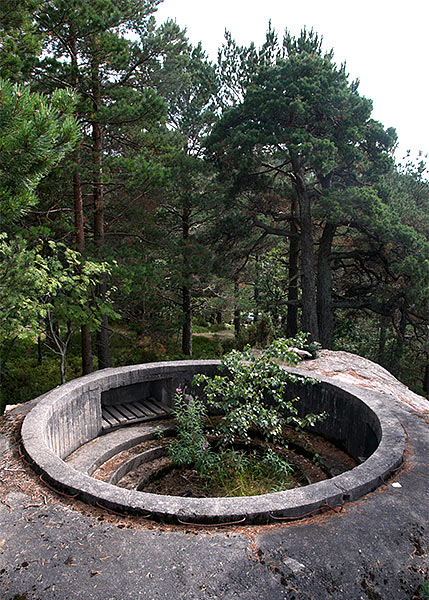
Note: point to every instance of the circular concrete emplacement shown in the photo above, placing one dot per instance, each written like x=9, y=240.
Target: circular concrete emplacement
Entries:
x=72, y=415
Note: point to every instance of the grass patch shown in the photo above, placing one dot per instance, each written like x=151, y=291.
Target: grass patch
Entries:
x=241, y=473
x=211, y=328
x=423, y=591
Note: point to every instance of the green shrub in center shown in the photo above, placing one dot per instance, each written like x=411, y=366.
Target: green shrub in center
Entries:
x=249, y=397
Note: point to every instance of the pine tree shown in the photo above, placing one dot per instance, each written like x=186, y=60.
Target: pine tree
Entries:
x=188, y=83
x=88, y=47
x=301, y=127
x=36, y=133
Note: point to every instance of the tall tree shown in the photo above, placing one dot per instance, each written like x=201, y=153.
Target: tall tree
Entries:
x=36, y=133
x=20, y=43
x=188, y=82
x=87, y=48
x=302, y=124
x=380, y=268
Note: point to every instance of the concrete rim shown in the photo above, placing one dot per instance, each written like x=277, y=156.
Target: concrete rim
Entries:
x=289, y=504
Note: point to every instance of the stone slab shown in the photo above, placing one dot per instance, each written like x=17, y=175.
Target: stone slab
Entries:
x=88, y=458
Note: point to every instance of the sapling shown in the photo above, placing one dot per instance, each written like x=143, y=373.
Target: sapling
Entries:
x=249, y=395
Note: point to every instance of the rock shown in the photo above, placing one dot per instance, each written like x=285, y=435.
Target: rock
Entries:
x=355, y=370
x=4, y=445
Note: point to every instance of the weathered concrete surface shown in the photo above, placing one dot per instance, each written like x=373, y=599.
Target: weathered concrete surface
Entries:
x=357, y=418
x=95, y=453
x=53, y=548
x=349, y=368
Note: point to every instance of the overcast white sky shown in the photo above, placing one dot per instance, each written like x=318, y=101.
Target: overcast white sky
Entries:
x=384, y=42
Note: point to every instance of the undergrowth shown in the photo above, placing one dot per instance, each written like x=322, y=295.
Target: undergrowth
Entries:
x=26, y=377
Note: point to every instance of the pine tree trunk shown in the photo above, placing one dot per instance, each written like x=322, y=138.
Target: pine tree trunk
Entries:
x=103, y=341
x=39, y=349
x=293, y=280
x=186, y=292
x=86, y=342
x=63, y=368
x=398, y=346
x=324, y=286
x=102, y=337
x=187, y=322
x=86, y=350
x=426, y=381
x=256, y=290
x=309, y=311
x=237, y=320
x=382, y=337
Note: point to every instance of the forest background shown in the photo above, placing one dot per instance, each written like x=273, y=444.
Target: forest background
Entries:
x=157, y=205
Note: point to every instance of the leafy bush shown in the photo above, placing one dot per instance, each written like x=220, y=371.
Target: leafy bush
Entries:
x=27, y=379
x=314, y=348
x=191, y=447
x=228, y=345
x=204, y=347
x=229, y=472
x=216, y=327
x=259, y=334
x=133, y=355
x=251, y=394
x=249, y=398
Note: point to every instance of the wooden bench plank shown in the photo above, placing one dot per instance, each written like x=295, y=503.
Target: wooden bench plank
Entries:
x=116, y=414
x=107, y=415
x=156, y=409
x=138, y=414
x=163, y=407
x=122, y=408
x=146, y=411
x=105, y=424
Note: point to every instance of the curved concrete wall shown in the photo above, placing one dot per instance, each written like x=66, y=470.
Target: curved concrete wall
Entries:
x=70, y=415
x=351, y=423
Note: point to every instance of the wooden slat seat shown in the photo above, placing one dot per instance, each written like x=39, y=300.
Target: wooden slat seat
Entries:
x=117, y=415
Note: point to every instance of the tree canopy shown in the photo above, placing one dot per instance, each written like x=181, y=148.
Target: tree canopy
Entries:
x=147, y=192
